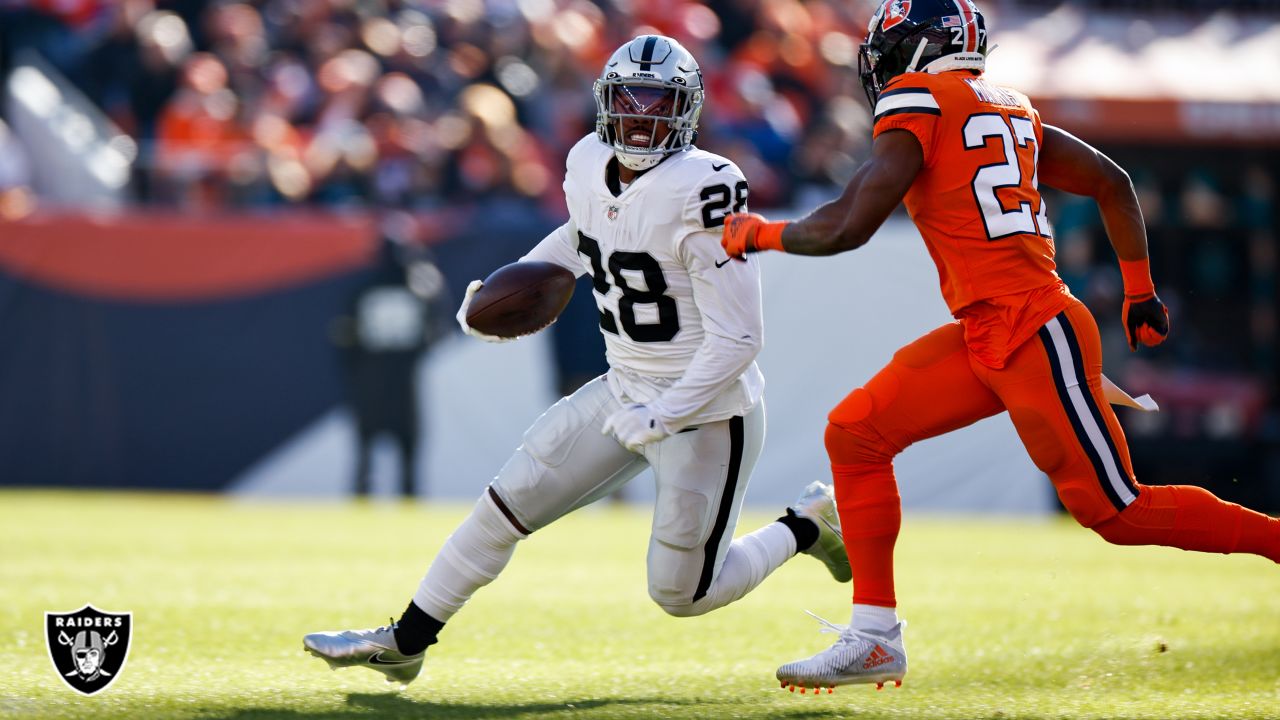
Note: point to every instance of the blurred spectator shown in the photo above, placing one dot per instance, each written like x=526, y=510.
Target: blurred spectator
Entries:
x=198, y=138
x=392, y=322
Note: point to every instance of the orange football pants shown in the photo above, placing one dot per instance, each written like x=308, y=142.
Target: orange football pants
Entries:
x=1051, y=387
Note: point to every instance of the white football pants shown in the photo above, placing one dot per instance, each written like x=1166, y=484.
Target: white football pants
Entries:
x=565, y=462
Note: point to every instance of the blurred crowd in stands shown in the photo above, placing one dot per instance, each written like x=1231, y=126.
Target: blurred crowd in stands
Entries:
x=420, y=104
x=1147, y=6
x=431, y=104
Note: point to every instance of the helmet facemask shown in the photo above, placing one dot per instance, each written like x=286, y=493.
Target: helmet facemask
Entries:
x=644, y=120
x=650, y=89
x=875, y=72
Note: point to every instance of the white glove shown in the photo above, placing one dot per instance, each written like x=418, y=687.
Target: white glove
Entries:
x=472, y=289
x=635, y=426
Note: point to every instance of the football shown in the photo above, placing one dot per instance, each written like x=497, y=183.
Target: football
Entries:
x=520, y=299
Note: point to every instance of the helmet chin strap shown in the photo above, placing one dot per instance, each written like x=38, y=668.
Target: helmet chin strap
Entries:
x=915, y=59
x=636, y=162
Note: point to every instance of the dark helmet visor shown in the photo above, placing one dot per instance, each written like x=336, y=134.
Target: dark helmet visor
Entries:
x=644, y=100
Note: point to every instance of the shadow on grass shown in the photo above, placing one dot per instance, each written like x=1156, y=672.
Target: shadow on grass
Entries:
x=383, y=705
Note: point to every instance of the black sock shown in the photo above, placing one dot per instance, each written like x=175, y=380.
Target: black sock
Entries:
x=416, y=630
x=805, y=530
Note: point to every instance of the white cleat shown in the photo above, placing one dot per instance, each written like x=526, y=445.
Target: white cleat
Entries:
x=375, y=649
x=856, y=657
x=818, y=504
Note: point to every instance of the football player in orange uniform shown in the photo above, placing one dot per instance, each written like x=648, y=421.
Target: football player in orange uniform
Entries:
x=967, y=158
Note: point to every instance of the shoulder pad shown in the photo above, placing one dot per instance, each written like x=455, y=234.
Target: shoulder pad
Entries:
x=716, y=187
x=902, y=98
x=702, y=166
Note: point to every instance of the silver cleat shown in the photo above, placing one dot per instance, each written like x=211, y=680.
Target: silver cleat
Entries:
x=818, y=504
x=375, y=649
x=856, y=657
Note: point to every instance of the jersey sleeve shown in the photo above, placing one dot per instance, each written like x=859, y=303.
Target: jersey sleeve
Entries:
x=560, y=247
x=721, y=191
x=908, y=104
x=726, y=293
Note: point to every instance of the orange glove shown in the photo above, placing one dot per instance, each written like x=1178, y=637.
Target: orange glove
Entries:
x=748, y=232
x=1145, y=317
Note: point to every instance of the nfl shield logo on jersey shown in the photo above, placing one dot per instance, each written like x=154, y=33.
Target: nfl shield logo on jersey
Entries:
x=88, y=647
x=613, y=212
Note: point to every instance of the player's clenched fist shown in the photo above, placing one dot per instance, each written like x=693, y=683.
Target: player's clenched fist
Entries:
x=1146, y=320
x=748, y=232
x=635, y=426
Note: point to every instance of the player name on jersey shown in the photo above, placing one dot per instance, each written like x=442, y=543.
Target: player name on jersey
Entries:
x=989, y=93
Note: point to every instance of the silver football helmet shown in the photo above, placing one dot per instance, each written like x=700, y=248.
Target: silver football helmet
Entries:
x=648, y=99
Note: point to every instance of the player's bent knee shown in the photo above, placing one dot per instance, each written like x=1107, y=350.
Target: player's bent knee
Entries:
x=677, y=602
x=684, y=610
x=1140, y=523
x=1082, y=497
x=856, y=443
x=674, y=578
x=1120, y=530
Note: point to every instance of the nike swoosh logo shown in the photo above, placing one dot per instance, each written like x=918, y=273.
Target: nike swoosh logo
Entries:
x=376, y=659
x=722, y=264
x=718, y=168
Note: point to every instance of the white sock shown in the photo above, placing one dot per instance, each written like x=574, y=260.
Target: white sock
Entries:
x=873, y=618
x=748, y=562
x=471, y=558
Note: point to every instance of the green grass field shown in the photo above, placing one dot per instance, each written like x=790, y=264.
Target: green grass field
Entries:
x=1009, y=619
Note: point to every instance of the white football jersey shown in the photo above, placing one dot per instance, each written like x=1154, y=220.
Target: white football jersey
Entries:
x=662, y=282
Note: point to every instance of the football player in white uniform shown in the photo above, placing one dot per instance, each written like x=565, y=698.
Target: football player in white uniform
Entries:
x=682, y=326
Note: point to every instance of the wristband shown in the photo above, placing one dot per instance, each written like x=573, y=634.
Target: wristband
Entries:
x=1137, y=278
x=769, y=236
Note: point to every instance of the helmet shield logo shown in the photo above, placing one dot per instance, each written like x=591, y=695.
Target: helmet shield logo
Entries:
x=895, y=12
x=88, y=647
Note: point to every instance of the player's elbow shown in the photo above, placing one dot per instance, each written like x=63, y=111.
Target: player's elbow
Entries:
x=851, y=239
x=1113, y=182
x=742, y=350
x=1118, y=181
x=843, y=238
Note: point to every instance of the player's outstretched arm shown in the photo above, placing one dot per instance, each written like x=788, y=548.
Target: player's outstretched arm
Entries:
x=846, y=222
x=1070, y=164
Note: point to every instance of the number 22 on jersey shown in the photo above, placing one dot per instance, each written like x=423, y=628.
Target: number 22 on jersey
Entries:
x=1017, y=137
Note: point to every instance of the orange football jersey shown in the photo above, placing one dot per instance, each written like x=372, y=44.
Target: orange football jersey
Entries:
x=976, y=203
